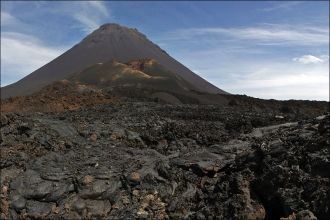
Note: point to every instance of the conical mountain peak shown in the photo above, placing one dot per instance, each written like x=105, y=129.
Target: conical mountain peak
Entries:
x=114, y=27
x=109, y=26
x=113, y=31
x=109, y=42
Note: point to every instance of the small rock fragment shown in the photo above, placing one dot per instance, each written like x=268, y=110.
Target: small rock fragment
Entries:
x=79, y=205
x=88, y=179
x=134, y=177
x=305, y=215
x=93, y=137
x=18, y=202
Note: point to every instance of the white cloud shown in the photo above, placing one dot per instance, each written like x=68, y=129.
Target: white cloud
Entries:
x=280, y=81
x=243, y=68
x=310, y=59
x=90, y=14
x=99, y=6
x=247, y=60
x=22, y=54
x=325, y=58
x=7, y=19
x=269, y=34
x=281, y=6
x=89, y=23
x=261, y=75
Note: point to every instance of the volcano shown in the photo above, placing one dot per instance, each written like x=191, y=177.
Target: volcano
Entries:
x=108, y=43
x=117, y=129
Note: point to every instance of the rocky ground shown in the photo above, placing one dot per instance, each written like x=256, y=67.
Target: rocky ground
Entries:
x=148, y=160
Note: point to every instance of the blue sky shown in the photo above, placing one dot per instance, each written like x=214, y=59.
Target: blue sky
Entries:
x=268, y=49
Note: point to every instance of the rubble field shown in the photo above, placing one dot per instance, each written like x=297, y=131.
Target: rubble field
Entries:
x=149, y=160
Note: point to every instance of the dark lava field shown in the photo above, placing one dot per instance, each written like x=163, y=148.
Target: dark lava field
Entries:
x=149, y=160
x=115, y=128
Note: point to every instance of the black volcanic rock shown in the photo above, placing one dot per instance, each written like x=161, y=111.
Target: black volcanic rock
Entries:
x=110, y=41
x=147, y=160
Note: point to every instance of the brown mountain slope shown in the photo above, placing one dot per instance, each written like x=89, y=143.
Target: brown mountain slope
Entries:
x=99, y=83
x=110, y=41
x=147, y=75
x=59, y=96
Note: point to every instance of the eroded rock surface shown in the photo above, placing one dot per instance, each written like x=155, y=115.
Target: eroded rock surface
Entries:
x=155, y=161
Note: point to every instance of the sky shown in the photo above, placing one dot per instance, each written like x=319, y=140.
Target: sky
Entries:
x=270, y=49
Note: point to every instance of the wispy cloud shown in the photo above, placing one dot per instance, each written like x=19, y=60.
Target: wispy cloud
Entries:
x=263, y=75
x=281, y=6
x=99, y=6
x=310, y=59
x=283, y=81
x=257, y=60
x=8, y=19
x=21, y=54
x=90, y=14
x=89, y=23
x=266, y=34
